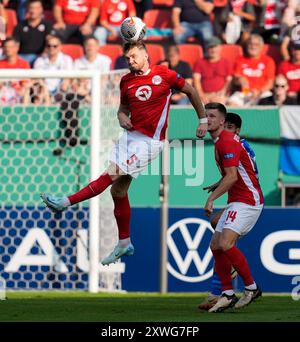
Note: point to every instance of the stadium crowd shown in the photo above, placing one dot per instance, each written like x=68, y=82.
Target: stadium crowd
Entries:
x=249, y=49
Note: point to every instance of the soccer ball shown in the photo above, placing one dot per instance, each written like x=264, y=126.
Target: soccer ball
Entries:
x=133, y=29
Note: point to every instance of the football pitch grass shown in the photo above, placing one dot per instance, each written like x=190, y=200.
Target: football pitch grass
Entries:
x=137, y=307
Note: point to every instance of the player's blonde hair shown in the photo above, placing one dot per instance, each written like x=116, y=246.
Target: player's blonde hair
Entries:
x=130, y=45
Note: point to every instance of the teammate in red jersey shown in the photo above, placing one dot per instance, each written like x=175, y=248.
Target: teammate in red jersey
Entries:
x=143, y=113
x=245, y=203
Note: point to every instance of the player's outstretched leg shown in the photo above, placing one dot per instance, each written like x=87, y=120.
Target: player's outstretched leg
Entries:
x=56, y=204
x=248, y=297
x=95, y=188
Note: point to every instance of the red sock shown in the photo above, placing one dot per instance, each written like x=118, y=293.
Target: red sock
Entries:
x=223, y=268
x=122, y=215
x=93, y=189
x=240, y=263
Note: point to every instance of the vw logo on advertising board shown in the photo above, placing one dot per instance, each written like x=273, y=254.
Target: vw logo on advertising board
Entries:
x=190, y=258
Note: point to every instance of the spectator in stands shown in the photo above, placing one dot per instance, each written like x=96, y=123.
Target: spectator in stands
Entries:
x=240, y=21
x=254, y=74
x=36, y=93
x=13, y=61
x=113, y=12
x=213, y=74
x=92, y=59
x=279, y=96
x=21, y=9
x=289, y=16
x=142, y=6
x=71, y=97
x=75, y=18
x=11, y=58
x=173, y=62
x=220, y=16
x=268, y=18
x=53, y=59
x=290, y=35
x=191, y=19
x=8, y=94
x=3, y=22
x=291, y=69
x=32, y=32
x=82, y=88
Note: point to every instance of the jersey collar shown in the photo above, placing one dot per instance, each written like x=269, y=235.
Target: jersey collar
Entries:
x=145, y=73
x=218, y=137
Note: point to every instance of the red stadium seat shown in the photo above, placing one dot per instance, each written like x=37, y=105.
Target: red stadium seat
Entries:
x=157, y=21
x=156, y=53
x=12, y=21
x=73, y=50
x=193, y=40
x=166, y=3
x=273, y=51
x=112, y=51
x=158, y=18
x=231, y=52
x=190, y=53
x=220, y=3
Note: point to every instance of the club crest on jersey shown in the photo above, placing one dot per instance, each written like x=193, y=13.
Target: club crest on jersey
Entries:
x=156, y=80
x=228, y=155
x=236, y=137
x=132, y=159
x=143, y=93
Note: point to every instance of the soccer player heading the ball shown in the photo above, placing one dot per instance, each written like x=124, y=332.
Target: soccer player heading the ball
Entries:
x=143, y=113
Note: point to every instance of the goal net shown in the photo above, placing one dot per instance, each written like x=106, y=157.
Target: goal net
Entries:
x=57, y=128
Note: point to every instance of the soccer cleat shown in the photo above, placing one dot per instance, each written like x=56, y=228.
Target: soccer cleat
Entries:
x=209, y=302
x=52, y=202
x=248, y=297
x=224, y=302
x=117, y=253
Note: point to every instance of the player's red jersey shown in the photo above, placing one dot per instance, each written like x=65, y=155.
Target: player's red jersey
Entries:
x=75, y=12
x=115, y=11
x=148, y=98
x=230, y=152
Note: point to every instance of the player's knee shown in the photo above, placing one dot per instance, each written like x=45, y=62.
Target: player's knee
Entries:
x=213, y=245
x=224, y=245
x=117, y=191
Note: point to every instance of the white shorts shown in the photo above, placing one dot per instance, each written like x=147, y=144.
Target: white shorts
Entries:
x=134, y=151
x=239, y=217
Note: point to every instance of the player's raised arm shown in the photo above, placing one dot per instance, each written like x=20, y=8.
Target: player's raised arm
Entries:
x=123, y=117
x=192, y=94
